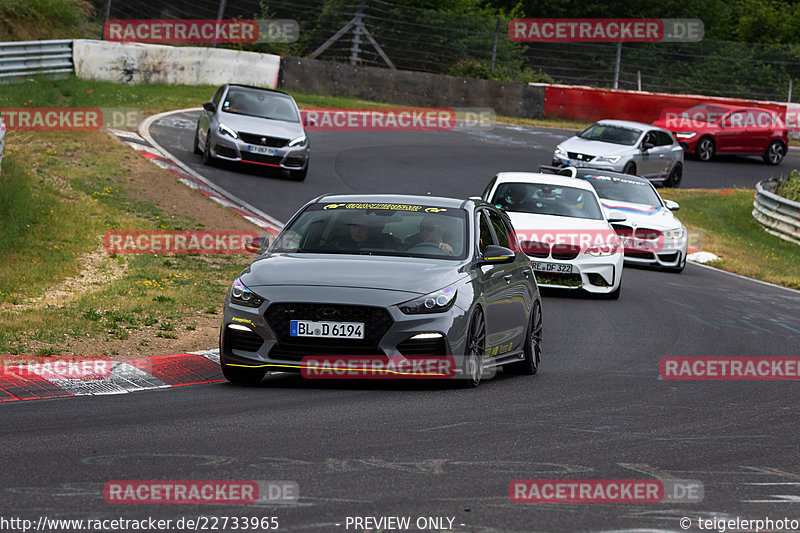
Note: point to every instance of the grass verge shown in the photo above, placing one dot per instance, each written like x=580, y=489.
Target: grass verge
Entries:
x=722, y=221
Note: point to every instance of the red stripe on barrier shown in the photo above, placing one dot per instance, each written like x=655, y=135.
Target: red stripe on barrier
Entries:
x=589, y=105
x=181, y=369
x=30, y=387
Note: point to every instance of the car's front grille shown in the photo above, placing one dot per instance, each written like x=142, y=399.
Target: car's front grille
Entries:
x=224, y=151
x=263, y=140
x=377, y=322
x=566, y=252
x=535, y=249
x=623, y=230
x=562, y=280
x=647, y=233
x=247, y=341
x=259, y=158
x=435, y=346
x=580, y=157
x=297, y=353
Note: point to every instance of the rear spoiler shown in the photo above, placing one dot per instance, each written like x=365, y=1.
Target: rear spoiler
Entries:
x=560, y=171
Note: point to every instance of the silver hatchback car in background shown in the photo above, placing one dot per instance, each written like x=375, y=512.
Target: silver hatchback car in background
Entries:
x=253, y=125
x=622, y=146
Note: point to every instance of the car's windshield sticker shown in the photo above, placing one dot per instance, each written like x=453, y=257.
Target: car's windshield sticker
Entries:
x=391, y=207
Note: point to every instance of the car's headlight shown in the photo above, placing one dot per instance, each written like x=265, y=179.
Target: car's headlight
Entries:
x=435, y=302
x=560, y=151
x=241, y=295
x=300, y=141
x=602, y=250
x=225, y=130
x=685, y=134
x=675, y=233
x=608, y=159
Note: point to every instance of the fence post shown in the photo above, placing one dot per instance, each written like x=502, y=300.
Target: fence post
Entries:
x=616, y=67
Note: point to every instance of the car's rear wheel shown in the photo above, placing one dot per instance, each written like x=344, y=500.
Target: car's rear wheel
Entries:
x=705, y=149
x=533, y=345
x=630, y=168
x=775, y=153
x=242, y=375
x=196, y=145
x=476, y=348
x=675, y=176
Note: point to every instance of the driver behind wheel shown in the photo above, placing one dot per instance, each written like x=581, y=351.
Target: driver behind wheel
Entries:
x=431, y=231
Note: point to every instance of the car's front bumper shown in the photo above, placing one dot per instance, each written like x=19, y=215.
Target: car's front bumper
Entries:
x=287, y=157
x=598, y=275
x=563, y=161
x=670, y=254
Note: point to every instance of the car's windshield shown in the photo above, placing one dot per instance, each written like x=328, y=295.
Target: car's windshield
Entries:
x=402, y=230
x=258, y=103
x=611, y=134
x=623, y=189
x=704, y=113
x=545, y=199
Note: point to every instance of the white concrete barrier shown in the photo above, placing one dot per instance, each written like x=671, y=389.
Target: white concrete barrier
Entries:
x=134, y=63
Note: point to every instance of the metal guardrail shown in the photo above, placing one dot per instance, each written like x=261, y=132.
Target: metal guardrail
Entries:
x=27, y=58
x=779, y=216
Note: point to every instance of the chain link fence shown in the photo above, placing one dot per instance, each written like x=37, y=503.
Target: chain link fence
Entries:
x=478, y=46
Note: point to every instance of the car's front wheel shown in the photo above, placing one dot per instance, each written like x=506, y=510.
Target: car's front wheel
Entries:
x=630, y=168
x=705, y=149
x=775, y=153
x=208, y=159
x=242, y=375
x=533, y=345
x=299, y=175
x=472, y=368
x=196, y=145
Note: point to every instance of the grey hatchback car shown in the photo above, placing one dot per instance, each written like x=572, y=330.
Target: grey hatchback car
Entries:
x=255, y=126
x=386, y=276
x=623, y=146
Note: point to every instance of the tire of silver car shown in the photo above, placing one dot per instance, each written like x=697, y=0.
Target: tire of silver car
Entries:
x=208, y=159
x=705, y=149
x=475, y=350
x=196, y=145
x=775, y=153
x=533, y=345
x=675, y=176
x=630, y=168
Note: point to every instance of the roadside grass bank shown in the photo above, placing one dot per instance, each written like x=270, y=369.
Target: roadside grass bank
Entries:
x=722, y=222
x=61, y=293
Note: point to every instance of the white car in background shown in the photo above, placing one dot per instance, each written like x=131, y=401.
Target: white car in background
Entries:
x=652, y=235
x=561, y=225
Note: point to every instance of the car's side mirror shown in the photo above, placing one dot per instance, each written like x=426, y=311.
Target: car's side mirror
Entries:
x=616, y=216
x=210, y=107
x=497, y=255
x=257, y=245
x=672, y=206
x=647, y=146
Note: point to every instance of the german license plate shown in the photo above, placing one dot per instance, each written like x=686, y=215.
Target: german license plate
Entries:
x=264, y=150
x=330, y=330
x=636, y=244
x=560, y=268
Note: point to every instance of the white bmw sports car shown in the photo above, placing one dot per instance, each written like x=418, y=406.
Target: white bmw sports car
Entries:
x=561, y=225
x=652, y=235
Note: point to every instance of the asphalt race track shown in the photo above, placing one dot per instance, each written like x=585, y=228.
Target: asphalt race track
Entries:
x=597, y=408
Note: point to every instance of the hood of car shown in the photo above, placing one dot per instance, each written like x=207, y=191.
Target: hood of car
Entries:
x=584, y=146
x=261, y=126
x=531, y=222
x=412, y=275
x=642, y=215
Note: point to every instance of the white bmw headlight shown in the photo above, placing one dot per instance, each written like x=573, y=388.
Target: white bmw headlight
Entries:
x=225, y=130
x=300, y=141
x=435, y=302
x=675, y=233
x=608, y=159
x=602, y=250
x=560, y=151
